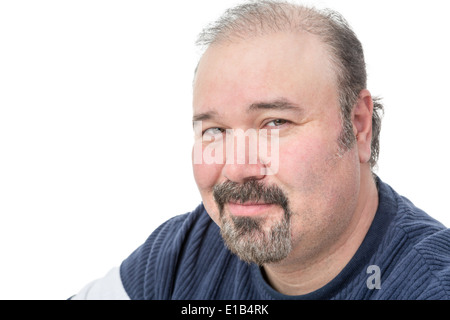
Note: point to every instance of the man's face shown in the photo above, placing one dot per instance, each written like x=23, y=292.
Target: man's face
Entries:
x=281, y=82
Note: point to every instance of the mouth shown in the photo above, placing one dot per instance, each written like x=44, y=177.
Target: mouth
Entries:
x=252, y=199
x=249, y=208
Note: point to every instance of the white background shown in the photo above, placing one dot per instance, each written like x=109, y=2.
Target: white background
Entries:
x=95, y=124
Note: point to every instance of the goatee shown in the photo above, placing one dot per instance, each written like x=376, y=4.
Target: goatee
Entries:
x=249, y=237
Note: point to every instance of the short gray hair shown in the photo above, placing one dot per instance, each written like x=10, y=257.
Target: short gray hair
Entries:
x=261, y=17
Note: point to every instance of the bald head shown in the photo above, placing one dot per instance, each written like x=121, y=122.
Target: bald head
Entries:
x=259, y=18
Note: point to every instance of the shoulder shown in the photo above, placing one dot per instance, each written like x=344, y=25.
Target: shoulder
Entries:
x=422, y=272
x=434, y=252
x=149, y=271
x=153, y=264
x=419, y=259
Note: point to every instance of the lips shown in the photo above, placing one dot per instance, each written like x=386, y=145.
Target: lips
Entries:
x=249, y=208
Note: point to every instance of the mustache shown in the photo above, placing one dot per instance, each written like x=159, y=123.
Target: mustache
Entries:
x=250, y=190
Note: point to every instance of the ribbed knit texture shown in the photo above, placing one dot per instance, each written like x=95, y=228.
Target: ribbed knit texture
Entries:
x=185, y=258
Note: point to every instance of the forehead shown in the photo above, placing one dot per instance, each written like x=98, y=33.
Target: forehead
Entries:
x=294, y=67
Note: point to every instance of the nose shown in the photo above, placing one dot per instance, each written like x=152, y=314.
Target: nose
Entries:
x=242, y=172
x=242, y=160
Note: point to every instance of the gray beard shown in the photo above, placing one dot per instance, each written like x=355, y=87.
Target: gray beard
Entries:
x=248, y=237
x=245, y=237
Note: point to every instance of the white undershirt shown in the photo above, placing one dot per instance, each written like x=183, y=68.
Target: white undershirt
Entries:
x=109, y=287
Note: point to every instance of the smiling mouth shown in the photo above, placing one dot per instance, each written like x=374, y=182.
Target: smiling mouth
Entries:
x=250, y=208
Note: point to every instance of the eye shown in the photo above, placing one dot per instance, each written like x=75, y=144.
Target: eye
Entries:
x=213, y=132
x=276, y=123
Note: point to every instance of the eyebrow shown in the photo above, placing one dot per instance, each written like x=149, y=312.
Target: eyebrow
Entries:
x=280, y=104
x=204, y=116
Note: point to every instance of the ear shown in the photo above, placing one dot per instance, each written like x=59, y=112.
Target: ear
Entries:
x=362, y=125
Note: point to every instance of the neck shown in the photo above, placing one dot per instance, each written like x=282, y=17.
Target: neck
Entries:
x=292, y=277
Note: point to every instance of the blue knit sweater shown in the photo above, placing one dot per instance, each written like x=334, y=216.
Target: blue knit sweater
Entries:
x=405, y=255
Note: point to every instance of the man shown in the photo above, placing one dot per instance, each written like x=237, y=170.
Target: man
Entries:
x=308, y=221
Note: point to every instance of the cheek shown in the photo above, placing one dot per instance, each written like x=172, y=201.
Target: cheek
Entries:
x=322, y=186
x=309, y=156
x=206, y=176
x=313, y=174
x=299, y=159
